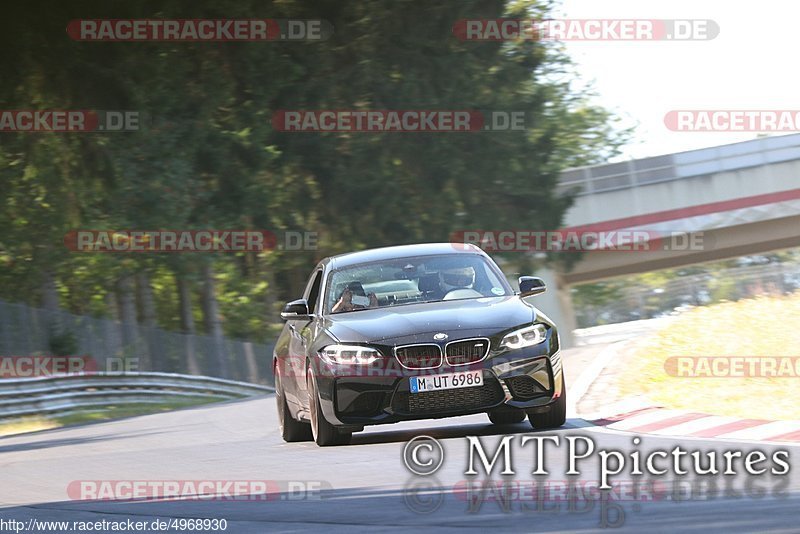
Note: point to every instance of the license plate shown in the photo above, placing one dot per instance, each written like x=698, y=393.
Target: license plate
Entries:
x=464, y=379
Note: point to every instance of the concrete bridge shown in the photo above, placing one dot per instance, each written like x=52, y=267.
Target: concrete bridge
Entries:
x=735, y=200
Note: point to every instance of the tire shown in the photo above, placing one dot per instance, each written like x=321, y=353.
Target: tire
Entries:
x=324, y=433
x=556, y=416
x=292, y=430
x=506, y=415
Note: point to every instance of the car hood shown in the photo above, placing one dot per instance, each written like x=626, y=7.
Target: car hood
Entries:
x=466, y=316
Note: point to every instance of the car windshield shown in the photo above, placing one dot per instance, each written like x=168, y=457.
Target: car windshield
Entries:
x=413, y=280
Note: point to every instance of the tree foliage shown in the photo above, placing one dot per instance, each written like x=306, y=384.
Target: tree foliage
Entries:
x=208, y=156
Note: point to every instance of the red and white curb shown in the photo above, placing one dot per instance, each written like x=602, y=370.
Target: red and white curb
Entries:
x=664, y=422
x=638, y=416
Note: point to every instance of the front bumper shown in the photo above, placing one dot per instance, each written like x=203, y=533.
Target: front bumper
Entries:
x=526, y=378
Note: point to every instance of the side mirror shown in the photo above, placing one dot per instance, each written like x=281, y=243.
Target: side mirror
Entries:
x=531, y=285
x=296, y=309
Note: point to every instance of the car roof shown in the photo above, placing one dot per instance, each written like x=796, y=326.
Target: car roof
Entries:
x=400, y=251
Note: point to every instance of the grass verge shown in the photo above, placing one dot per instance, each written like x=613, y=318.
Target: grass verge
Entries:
x=36, y=423
x=767, y=327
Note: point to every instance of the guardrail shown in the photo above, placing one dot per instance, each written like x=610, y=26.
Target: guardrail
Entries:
x=67, y=393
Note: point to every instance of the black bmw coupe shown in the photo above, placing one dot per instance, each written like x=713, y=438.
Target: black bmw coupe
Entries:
x=414, y=332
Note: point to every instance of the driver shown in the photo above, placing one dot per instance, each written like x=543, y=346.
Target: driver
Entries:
x=460, y=278
x=345, y=302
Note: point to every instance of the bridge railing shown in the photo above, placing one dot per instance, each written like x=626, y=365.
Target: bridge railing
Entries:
x=641, y=172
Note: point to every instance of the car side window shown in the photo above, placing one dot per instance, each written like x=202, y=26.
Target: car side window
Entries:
x=313, y=292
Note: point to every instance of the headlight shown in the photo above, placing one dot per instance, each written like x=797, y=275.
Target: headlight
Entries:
x=525, y=337
x=349, y=355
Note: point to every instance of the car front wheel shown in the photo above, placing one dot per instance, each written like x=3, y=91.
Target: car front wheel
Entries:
x=506, y=415
x=292, y=430
x=325, y=434
x=556, y=416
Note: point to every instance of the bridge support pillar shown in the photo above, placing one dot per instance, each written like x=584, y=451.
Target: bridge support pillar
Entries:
x=556, y=303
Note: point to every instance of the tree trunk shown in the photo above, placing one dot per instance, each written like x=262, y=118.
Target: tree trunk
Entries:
x=50, y=303
x=213, y=324
x=148, y=319
x=187, y=323
x=270, y=295
x=112, y=340
x=127, y=316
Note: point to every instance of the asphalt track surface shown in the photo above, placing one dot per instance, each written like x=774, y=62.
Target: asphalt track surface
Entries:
x=366, y=486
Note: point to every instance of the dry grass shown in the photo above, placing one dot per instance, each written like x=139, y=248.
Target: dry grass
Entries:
x=110, y=412
x=33, y=424
x=763, y=326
